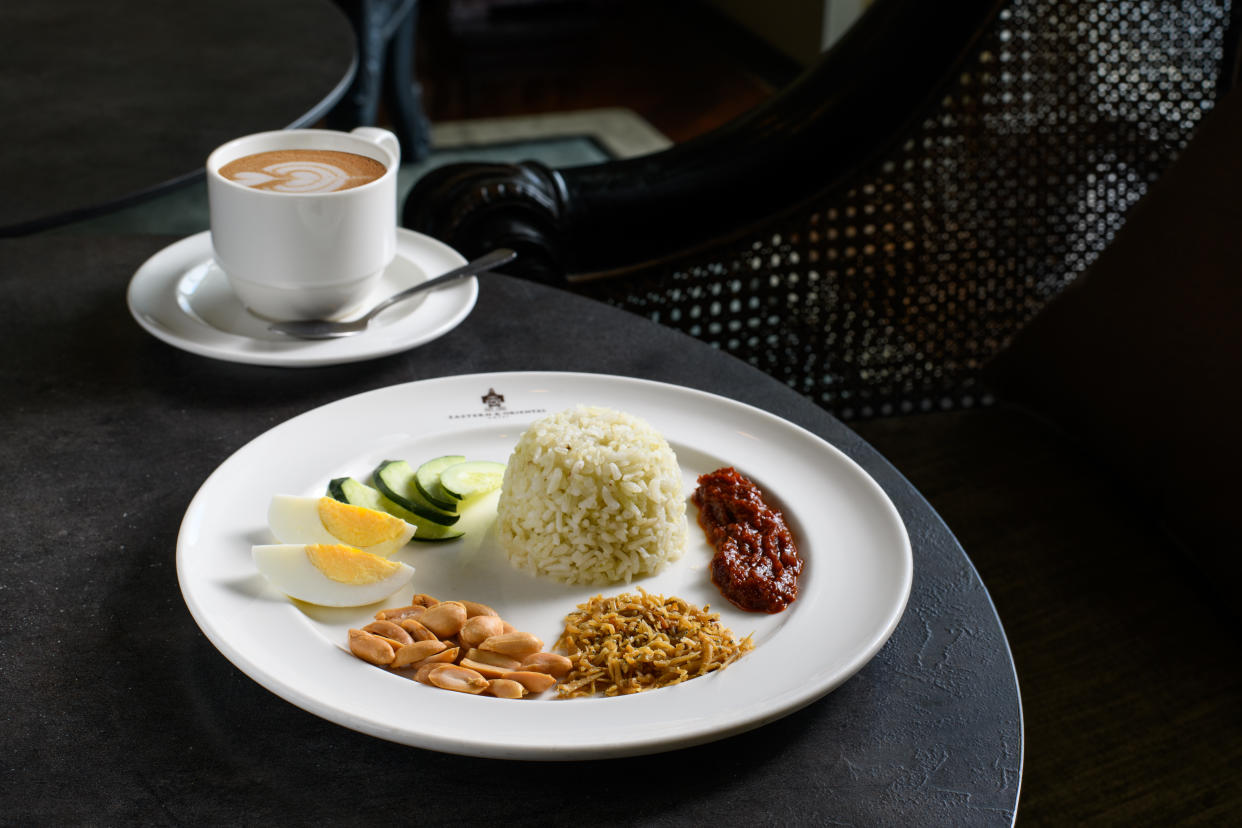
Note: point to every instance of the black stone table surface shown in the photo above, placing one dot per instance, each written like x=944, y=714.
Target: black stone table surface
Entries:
x=119, y=711
x=104, y=103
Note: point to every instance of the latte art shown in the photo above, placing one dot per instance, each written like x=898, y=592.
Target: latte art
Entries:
x=303, y=171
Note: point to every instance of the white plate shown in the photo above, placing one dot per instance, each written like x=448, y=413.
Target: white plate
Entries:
x=181, y=296
x=852, y=591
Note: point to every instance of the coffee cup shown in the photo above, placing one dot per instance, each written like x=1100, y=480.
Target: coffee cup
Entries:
x=303, y=221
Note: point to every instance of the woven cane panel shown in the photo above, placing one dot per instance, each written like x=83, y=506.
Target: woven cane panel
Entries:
x=887, y=295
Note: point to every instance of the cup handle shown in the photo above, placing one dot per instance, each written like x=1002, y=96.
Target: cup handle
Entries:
x=387, y=141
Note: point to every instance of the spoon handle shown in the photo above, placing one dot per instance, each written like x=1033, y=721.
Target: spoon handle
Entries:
x=490, y=261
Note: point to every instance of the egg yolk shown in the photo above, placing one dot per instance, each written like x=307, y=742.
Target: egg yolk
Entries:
x=357, y=525
x=347, y=565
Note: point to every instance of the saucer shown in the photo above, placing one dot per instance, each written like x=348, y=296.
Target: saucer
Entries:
x=182, y=297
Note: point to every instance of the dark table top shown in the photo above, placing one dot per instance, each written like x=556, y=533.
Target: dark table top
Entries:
x=118, y=709
x=103, y=104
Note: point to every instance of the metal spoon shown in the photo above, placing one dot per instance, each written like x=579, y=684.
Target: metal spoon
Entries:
x=326, y=329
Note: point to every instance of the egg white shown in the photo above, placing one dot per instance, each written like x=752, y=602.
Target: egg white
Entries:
x=296, y=520
x=288, y=568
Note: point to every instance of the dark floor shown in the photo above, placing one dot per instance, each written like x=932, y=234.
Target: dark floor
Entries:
x=1123, y=651
x=681, y=66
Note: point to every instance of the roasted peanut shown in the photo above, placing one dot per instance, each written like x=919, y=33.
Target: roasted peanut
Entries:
x=490, y=665
x=447, y=656
x=426, y=640
x=494, y=659
x=423, y=671
x=474, y=608
x=416, y=630
x=445, y=618
x=487, y=671
x=400, y=613
x=415, y=652
x=372, y=648
x=515, y=644
x=505, y=689
x=554, y=664
x=478, y=629
x=532, y=681
x=455, y=677
x=389, y=630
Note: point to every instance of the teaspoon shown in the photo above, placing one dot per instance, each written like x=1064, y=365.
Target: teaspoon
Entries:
x=327, y=329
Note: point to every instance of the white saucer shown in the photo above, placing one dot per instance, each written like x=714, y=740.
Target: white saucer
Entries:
x=181, y=296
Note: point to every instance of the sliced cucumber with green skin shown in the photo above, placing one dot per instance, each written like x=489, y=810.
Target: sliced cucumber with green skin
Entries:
x=395, y=480
x=427, y=479
x=474, y=477
x=349, y=490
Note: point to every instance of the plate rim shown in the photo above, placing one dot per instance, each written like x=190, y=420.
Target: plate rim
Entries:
x=464, y=745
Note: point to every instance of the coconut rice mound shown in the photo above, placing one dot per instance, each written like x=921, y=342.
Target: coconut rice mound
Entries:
x=592, y=496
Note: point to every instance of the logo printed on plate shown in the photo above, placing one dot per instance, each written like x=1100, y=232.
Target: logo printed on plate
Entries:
x=494, y=409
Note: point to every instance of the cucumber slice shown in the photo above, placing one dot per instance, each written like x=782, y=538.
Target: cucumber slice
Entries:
x=427, y=479
x=474, y=477
x=349, y=490
x=395, y=480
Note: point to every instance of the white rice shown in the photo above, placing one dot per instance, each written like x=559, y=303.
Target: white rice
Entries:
x=592, y=496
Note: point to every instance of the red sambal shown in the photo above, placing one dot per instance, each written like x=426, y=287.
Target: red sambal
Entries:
x=756, y=565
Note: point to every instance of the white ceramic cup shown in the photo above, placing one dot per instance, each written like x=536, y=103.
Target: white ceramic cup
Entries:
x=305, y=255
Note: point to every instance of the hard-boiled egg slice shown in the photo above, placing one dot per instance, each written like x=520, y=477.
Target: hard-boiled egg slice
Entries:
x=325, y=520
x=330, y=575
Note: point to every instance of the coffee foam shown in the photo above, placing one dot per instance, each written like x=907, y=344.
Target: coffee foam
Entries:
x=303, y=171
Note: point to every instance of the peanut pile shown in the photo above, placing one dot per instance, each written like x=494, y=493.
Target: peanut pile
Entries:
x=458, y=645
